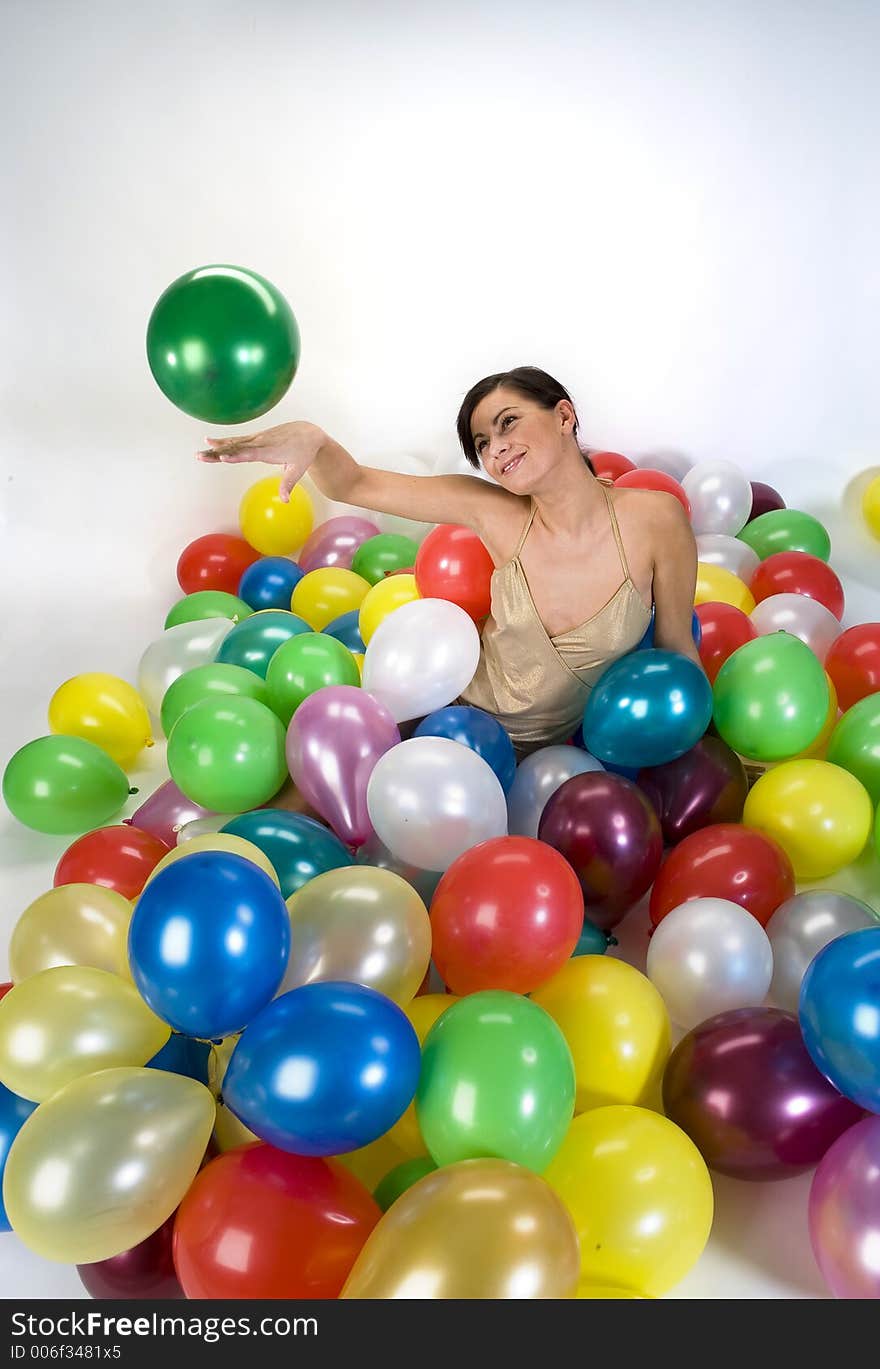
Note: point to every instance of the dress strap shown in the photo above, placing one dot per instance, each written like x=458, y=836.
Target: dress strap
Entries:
x=525, y=532
x=616, y=530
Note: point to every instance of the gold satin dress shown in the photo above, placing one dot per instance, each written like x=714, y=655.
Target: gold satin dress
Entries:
x=536, y=685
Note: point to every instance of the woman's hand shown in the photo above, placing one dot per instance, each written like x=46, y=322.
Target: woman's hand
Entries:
x=291, y=445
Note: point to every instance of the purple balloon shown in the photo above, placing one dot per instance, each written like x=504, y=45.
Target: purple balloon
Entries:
x=844, y=1213
x=764, y=499
x=745, y=1090
x=707, y=785
x=145, y=1271
x=165, y=812
x=335, y=542
x=334, y=740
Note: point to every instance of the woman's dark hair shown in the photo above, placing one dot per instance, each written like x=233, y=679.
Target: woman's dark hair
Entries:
x=529, y=381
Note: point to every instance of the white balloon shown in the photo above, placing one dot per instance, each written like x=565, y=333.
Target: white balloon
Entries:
x=707, y=956
x=421, y=657
x=203, y=827
x=537, y=779
x=802, y=617
x=179, y=649
x=719, y=549
x=720, y=495
x=430, y=799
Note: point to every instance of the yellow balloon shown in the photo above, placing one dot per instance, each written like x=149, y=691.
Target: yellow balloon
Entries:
x=861, y=879
x=75, y=924
x=73, y=1020
x=617, y=1028
x=715, y=585
x=270, y=526
x=105, y=1161
x=820, y=814
x=371, y=1163
x=640, y=1195
x=359, y=662
x=422, y=1012
x=229, y=1132
x=474, y=1229
x=105, y=710
x=325, y=594
x=218, y=1061
x=871, y=506
x=604, y=1290
x=817, y=750
x=217, y=841
x=391, y=593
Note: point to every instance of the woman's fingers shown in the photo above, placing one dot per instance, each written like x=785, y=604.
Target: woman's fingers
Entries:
x=290, y=478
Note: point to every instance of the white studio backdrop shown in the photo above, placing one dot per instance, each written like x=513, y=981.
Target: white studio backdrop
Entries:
x=672, y=208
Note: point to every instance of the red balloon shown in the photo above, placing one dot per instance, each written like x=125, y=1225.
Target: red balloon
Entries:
x=506, y=915
x=724, y=630
x=452, y=563
x=610, y=835
x=797, y=572
x=4, y=988
x=764, y=499
x=145, y=1271
x=707, y=785
x=725, y=861
x=120, y=858
x=611, y=465
x=216, y=561
x=645, y=478
x=854, y=663
x=260, y=1223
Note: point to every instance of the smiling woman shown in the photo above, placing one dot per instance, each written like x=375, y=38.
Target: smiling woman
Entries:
x=568, y=598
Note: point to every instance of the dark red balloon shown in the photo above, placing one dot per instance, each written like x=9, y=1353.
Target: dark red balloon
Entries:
x=4, y=988
x=452, y=563
x=611, y=465
x=854, y=663
x=797, y=572
x=120, y=857
x=216, y=561
x=743, y=1087
x=707, y=785
x=725, y=861
x=607, y=830
x=145, y=1271
x=764, y=499
x=645, y=478
x=724, y=630
x=260, y=1223
x=507, y=914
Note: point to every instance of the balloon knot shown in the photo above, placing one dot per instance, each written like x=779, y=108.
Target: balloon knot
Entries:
x=149, y=742
x=612, y=941
x=133, y=791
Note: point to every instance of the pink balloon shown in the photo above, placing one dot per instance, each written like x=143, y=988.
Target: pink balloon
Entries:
x=165, y=812
x=845, y=1212
x=335, y=542
x=334, y=740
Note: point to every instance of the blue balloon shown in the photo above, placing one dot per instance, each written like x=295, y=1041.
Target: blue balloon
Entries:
x=648, y=639
x=14, y=1112
x=345, y=629
x=324, y=1069
x=298, y=847
x=477, y=730
x=183, y=1055
x=648, y=708
x=269, y=582
x=208, y=943
x=839, y=1012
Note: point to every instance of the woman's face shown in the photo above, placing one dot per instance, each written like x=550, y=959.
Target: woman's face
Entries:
x=517, y=441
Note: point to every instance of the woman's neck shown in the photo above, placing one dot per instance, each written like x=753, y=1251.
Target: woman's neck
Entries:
x=571, y=502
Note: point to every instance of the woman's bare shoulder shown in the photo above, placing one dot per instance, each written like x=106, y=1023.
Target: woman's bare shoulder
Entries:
x=503, y=519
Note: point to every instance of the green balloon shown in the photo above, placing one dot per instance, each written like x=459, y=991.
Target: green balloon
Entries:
x=253, y=642
x=786, y=530
x=208, y=603
x=497, y=1080
x=227, y=754
x=402, y=1177
x=61, y=785
x=306, y=663
x=771, y=698
x=379, y=555
x=204, y=681
x=855, y=744
x=223, y=344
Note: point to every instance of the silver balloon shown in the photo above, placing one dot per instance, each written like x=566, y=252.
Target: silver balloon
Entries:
x=431, y=799
x=421, y=657
x=720, y=495
x=802, y=617
x=718, y=549
x=179, y=649
x=537, y=778
x=799, y=929
x=203, y=827
x=670, y=462
x=709, y=955
x=375, y=852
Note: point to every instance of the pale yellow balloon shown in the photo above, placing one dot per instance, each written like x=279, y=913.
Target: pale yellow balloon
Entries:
x=715, y=585
x=270, y=526
x=361, y=925
x=871, y=506
x=474, y=1229
x=327, y=593
x=105, y=710
x=218, y=1061
x=229, y=1132
x=359, y=662
x=105, y=1161
x=386, y=596
x=74, y=924
x=371, y=1163
x=422, y=1012
x=60, y=1024
x=217, y=841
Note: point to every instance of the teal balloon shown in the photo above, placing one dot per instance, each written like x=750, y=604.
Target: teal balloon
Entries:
x=298, y=847
x=253, y=642
x=593, y=941
x=62, y=785
x=223, y=344
x=649, y=707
